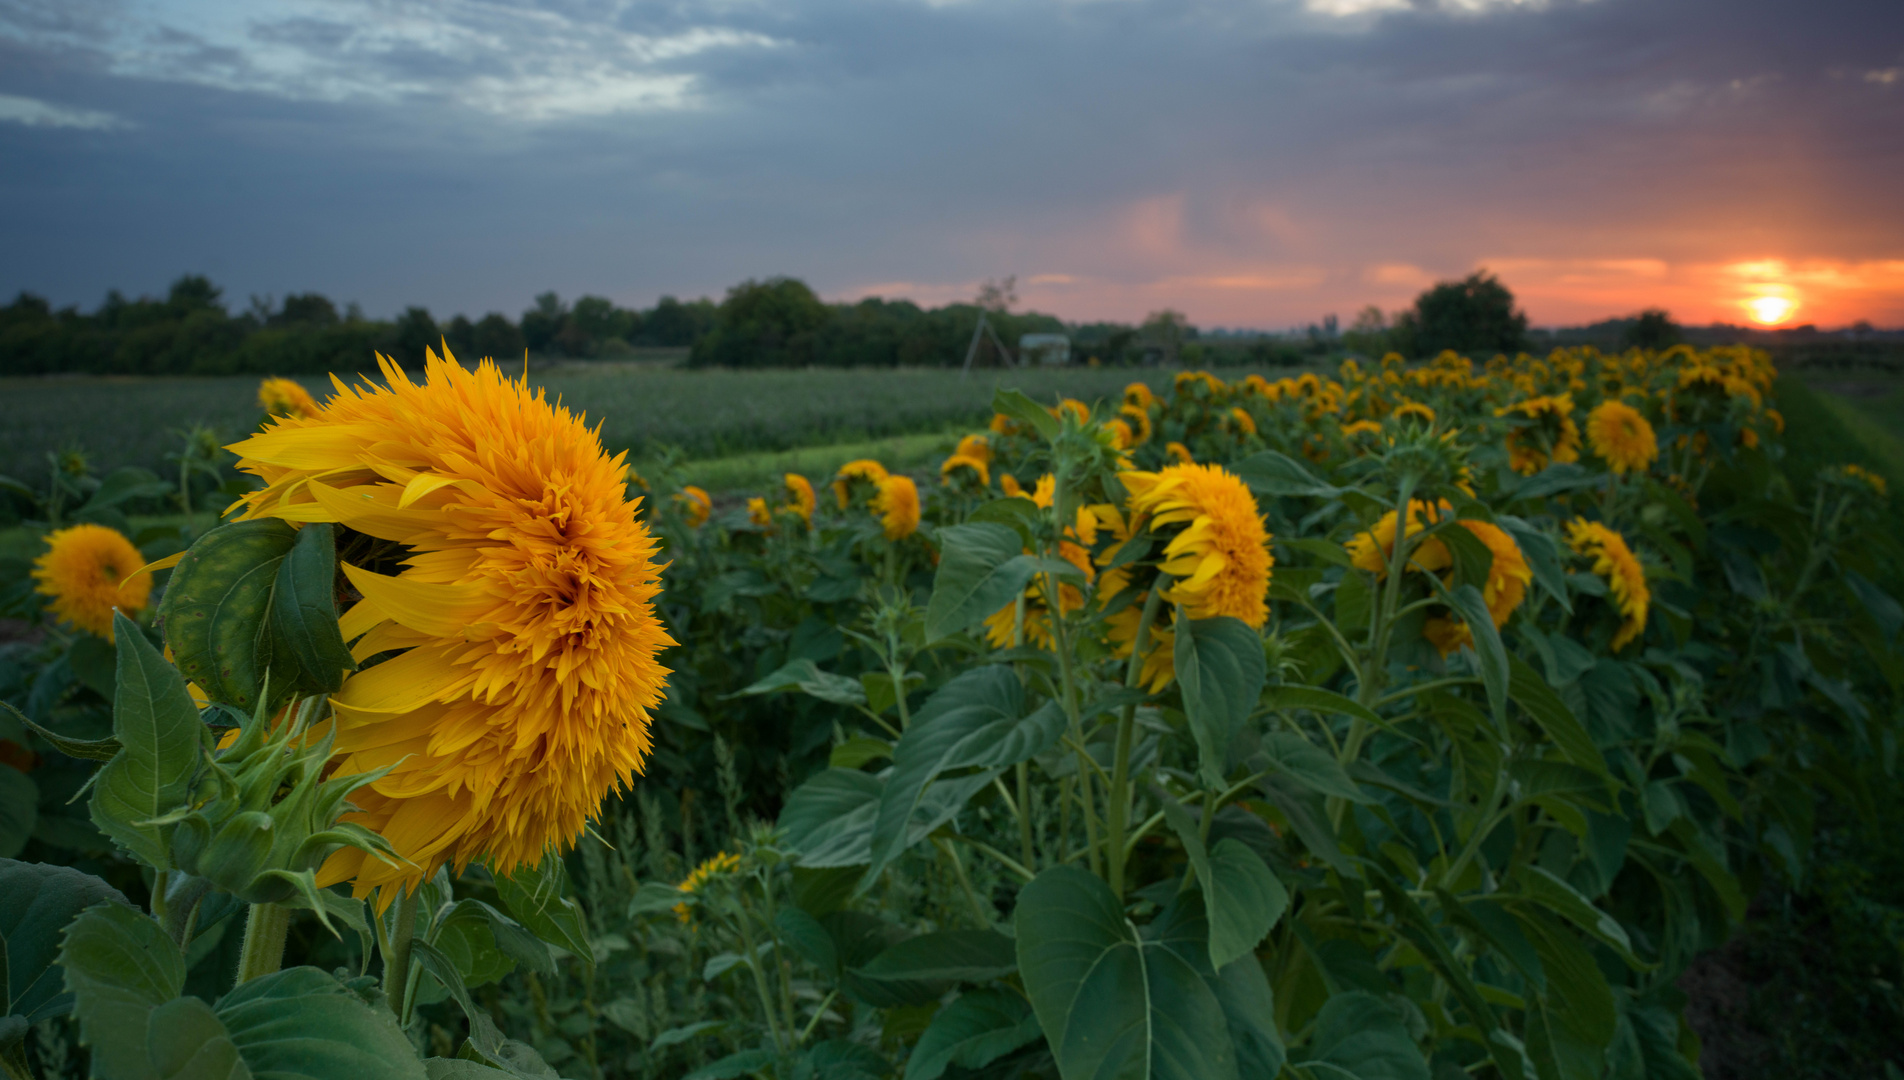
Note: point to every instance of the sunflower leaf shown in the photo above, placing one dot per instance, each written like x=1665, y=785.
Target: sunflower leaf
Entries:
x=217, y=606
x=534, y=895
x=304, y=612
x=160, y=735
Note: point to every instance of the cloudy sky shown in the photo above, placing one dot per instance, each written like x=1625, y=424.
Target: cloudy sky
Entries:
x=1250, y=162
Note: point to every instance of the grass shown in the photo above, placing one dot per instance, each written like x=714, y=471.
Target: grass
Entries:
x=641, y=407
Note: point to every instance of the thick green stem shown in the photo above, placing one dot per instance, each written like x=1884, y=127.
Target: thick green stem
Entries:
x=1120, y=770
x=1025, y=846
x=396, y=957
x=979, y=911
x=760, y=984
x=265, y=927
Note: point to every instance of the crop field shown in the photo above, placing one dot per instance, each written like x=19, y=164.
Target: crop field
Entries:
x=642, y=408
x=1394, y=722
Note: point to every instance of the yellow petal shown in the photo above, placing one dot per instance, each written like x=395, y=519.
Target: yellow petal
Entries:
x=439, y=610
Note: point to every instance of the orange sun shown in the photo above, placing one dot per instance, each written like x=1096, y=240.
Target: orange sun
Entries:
x=1770, y=310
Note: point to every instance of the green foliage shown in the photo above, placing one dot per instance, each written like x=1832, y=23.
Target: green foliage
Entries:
x=1473, y=315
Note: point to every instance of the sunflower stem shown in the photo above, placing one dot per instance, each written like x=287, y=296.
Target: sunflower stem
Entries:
x=396, y=958
x=265, y=927
x=1120, y=770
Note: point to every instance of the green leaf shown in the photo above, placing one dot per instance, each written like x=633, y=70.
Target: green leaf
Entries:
x=1021, y=514
x=124, y=483
x=1221, y=669
x=1311, y=766
x=805, y=676
x=1884, y=610
x=971, y=956
x=1271, y=473
x=160, y=742
x=975, y=1030
x=1427, y=939
x=1553, y=480
x=808, y=938
x=37, y=900
x=1492, y=656
x=19, y=810
x=187, y=1041
x=304, y=612
x=733, y=1065
x=1111, y=1004
x=1558, y=896
x=975, y=721
x=94, y=662
x=535, y=896
x=216, y=608
x=880, y=692
x=459, y=1069
x=1575, y=1017
x=1543, y=558
x=1473, y=560
x=1016, y=405
x=84, y=749
x=982, y=568
x=1242, y=899
x=120, y=966
x=829, y=819
x=465, y=938
x=303, y=1023
x=1361, y=1036
x=858, y=751
x=1532, y=693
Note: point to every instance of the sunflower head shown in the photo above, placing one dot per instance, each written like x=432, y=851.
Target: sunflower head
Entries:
x=800, y=496
x=1122, y=437
x=976, y=447
x=1138, y=419
x=1218, y=548
x=88, y=570
x=1179, y=453
x=1009, y=484
x=711, y=869
x=1621, y=436
x=1239, y=421
x=897, y=506
x=520, y=634
x=695, y=504
x=1544, y=433
x=1073, y=408
x=286, y=397
x=1625, y=577
x=1138, y=396
x=1372, y=550
x=1414, y=410
x=757, y=513
x=857, y=479
x=966, y=473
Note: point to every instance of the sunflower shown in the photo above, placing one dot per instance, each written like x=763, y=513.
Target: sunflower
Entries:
x=958, y=467
x=1138, y=396
x=854, y=476
x=1075, y=408
x=800, y=496
x=1625, y=577
x=696, y=504
x=86, y=571
x=1241, y=422
x=1179, y=453
x=1372, y=550
x=1872, y=480
x=697, y=879
x=1622, y=436
x=1507, y=582
x=1160, y=647
x=1415, y=409
x=522, y=621
x=1361, y=427
x=897, y=505
x=1551, y=438
x=758, y=514
x=1139, y=421
x=1122, y=437
x=1002, y=425
x=1221, y=557
x=1212, y=385
x=1037, y=630
x=976, y=447
x=286, y=397
x=1010, y=486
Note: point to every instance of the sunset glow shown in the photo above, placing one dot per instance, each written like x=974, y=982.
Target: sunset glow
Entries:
x=1769, y=310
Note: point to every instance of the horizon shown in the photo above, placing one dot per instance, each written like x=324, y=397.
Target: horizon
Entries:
x=1246, y=162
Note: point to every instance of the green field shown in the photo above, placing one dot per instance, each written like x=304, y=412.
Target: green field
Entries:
x=641, y=407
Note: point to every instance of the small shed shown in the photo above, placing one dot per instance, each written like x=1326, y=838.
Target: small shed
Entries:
x=1044, y=349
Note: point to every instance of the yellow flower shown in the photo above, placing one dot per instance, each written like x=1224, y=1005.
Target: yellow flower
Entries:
x=1241, y=422
x=1037, y=631
x=698, y=878
x=1509, y=577
x=1010, y=486
x=1122, y=437
x=1138, y=396
x=976, y=447
x=86, y=571
x=286, y=397
x=1625, y=577
x=1045, y=491
x=974, y=467
x=1622, y=436
x=1160, y=648
x=1179, y=453
x=855, y=474
x=1214, y=386
x=1876, y=482
x=1361, y=427
x=1372, y=550
x=1139, y=420
x=522, y=619
x=1553, y=437
x=1221, y=557
x=758, y=514
x=695, y=504
x=1073, y=406
x=1415, y=409
x=1003, y=425
x=800, y=496
x=897, y=505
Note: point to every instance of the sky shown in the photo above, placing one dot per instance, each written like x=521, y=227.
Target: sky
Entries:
x=1251, y=163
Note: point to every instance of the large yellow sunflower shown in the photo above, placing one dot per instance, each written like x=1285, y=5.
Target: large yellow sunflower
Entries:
x=974, y=469
x=286, y=397
x=1221, y=557
x=86, y=571
x=1625, y=577
x=1622, y=436
x=1139, y=421
x=1507, y=582
x=1551, y=437
x=522, y=621
x=897, y=505
x=1372, y=550
x=800, y=496
x=864, y=474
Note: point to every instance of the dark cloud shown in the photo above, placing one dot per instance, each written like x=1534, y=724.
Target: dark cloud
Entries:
x=1250, y=162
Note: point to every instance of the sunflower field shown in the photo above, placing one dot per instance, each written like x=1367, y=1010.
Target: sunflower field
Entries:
x=1418, y=721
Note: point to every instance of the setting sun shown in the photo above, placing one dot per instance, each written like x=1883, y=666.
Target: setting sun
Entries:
x=1770, y=310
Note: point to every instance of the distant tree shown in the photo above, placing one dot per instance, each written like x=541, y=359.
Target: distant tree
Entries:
x=305, y=309
x=460, y=336
x=414, y=332
x=541, y=323
x=1166, y=331
x=998, y=296
x=674, y=324
x=591, y=323
x=496, y=337
x=1368, y=334
x=194, y=292
x=773, y=323
x=1651, y=329
x=1474, y=315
